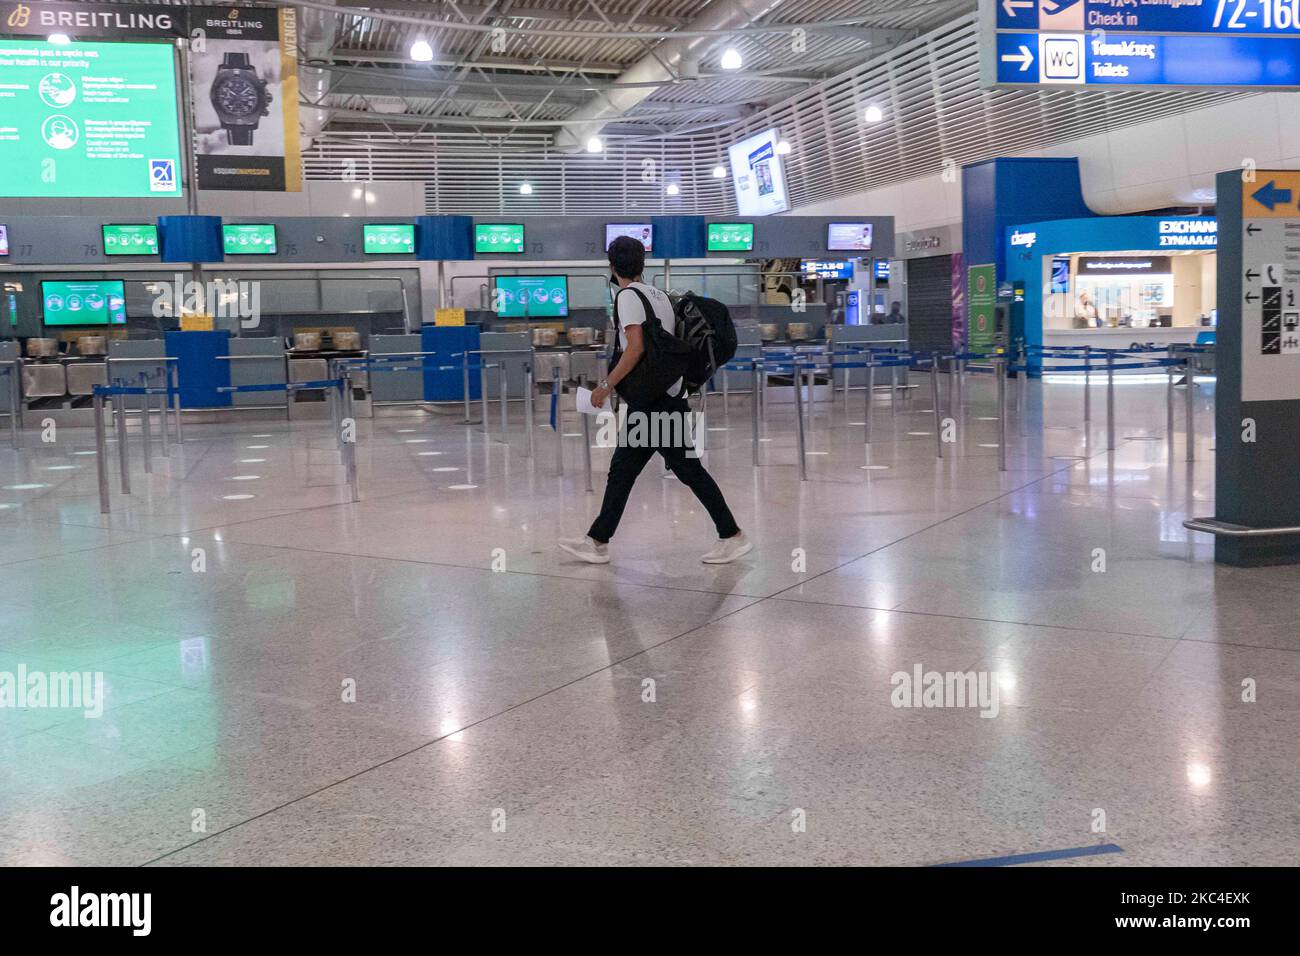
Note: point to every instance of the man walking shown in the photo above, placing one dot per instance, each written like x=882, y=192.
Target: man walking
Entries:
x=627, y=262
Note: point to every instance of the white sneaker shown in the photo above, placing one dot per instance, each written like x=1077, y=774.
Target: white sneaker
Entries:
x=586, y=549
x=729, y=549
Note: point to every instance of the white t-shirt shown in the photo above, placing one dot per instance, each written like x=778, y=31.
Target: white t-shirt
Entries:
x=630, y=310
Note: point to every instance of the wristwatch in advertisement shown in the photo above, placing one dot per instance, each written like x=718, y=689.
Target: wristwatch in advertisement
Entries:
x=240, y=98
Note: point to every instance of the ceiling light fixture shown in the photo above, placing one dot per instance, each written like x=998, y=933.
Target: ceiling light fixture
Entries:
x=731, y=59
x=421, y=51
x=873, y=114
x=719, y=172
x=783, y=147
x=672, y=189
x=594, y=145
x=525, y=189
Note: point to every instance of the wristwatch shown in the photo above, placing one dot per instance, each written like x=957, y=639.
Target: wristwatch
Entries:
x=240, y=98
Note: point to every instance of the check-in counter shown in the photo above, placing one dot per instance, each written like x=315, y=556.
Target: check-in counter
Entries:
x=391, y=387
x=127, y=358
x=888, y=336
x=9, y=352
x=84, y=376
x=257, y=361
x=516, y=352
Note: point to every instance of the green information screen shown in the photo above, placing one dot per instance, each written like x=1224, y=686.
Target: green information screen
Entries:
x=390, y=239
x=730, y=237
x=88, y=119
x=139, y=240
x=502, y=237
x=84, y=303
x=247, y=239
x=539, y=297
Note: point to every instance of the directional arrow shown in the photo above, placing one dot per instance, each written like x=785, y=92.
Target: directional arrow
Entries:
x=1025, y=58
x=1252, y=297
x=1268, y=195
x=1252, y=229
x=1011, y=6
x=1251, y=275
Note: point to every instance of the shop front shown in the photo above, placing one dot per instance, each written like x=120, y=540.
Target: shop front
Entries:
x=1110, y=281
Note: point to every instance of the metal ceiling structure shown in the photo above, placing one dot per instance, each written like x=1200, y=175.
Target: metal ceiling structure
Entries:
x=477, y=123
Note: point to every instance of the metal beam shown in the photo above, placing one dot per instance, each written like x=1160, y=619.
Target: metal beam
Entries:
x=486, y=62
x=517, y=13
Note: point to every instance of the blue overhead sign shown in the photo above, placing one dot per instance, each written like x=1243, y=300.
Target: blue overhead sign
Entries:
x=1152, y=16
x=1184, y=43
x=1147, y=60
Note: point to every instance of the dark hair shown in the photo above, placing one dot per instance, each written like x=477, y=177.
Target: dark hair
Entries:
x=627, y=257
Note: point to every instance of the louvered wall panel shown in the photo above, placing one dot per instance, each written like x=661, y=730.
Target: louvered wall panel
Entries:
x=935, y=111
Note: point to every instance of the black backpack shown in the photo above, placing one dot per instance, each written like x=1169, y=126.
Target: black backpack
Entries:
x=705, y=325
x=667, y=358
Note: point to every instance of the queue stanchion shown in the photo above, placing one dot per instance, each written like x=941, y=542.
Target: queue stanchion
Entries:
x=528, y=406
x=349, y=435
x=1087, y=388
x=871, y=388
x=123, y=453
x=810, y=376
x=1000, y=372
x=101, y=452
x=464, y=382
x=1169, y=401
x=483, y=393
x=15, y=402
x=753, y=408
x=162, y=423
x=1110, y=401
x=559, y=420
x=1189, y=425
x=798, y=397
x=726, y=396
x=174, y=379
x=146, y=427
x=893, y=390
x=505, y=423
x=934, y=400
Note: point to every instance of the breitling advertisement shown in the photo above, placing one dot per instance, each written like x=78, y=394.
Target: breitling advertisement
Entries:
x=244, y=86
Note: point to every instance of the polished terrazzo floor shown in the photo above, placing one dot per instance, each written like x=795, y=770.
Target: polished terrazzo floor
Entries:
x=502, y=713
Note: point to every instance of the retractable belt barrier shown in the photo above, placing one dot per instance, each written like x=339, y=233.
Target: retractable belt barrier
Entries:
x=804, y=366
x=345, y=426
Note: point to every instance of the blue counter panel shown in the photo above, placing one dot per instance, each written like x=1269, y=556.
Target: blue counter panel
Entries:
x=447, y=342
x=199, y=369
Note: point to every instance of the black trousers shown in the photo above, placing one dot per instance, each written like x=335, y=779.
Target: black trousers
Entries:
x=628, y=461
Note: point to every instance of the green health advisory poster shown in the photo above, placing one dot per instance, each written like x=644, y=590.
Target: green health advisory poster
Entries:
x=88, y=119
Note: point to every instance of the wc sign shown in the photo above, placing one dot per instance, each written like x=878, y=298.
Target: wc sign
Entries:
x=1060, y=57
